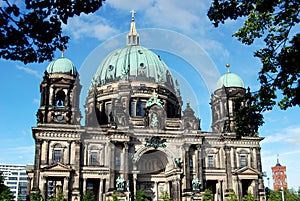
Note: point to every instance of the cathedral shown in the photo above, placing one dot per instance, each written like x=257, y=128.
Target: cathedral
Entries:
x=138, y=135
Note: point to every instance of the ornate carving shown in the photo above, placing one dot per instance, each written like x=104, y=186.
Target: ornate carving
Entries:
x=155, y=142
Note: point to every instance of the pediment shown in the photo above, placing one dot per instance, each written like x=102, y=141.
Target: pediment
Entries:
x=246, y=171
x=57, y=167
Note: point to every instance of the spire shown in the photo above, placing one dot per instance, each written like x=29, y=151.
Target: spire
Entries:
x=133, y=38
x=278, y=164
x=63, y=53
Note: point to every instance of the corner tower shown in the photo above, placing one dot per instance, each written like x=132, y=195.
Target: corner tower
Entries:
x=60, y=90
x=228, y=88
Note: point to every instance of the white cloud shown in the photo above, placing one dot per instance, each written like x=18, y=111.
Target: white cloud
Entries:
x=29, y=71
x=289, y=135
x=36, y=101
x=91, y=25
x=129, y=5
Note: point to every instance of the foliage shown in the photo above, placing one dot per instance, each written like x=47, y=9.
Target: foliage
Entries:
x=59, y=197
x=141, y=196
x=115, y=196
x=5, y=193
x=208, y=195
x=290, y=195
x=249, y=197
x=88, y=196
x=248, y=117
x=36, y=196
x=165, y=196
x=31, y=31
x=274, y=21
x=231, y=196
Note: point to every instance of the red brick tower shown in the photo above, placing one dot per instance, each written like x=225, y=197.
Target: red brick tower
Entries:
x=279, y=176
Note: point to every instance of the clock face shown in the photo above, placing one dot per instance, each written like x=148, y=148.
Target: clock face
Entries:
x=59, y=117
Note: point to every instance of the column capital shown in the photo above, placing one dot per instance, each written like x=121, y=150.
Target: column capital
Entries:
x=186, y=146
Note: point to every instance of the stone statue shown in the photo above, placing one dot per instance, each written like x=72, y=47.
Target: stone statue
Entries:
x=120, y=184
x=196, y=185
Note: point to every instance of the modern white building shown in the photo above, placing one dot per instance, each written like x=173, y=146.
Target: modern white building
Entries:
x=15, y=178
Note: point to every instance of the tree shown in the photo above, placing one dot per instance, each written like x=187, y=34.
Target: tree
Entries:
x=208, y=195
x=31, y=31
x=5, y=193
x=249, y=197
x=290, y=195
x=59, y=197
x=36, y=196
x=88, y=196
x=231, y=196
x=141, y=196
x=165, y=196
x=247, y=117
x=273, y=21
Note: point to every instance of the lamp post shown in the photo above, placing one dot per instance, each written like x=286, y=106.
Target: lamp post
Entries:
x=282, y=193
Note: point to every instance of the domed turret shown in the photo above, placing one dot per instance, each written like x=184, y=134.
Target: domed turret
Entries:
x=60, y=91
x=62, y=65
x=229, y=88
x=230, y=80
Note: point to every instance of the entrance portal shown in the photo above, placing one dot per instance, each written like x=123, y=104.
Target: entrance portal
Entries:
x=151, y=177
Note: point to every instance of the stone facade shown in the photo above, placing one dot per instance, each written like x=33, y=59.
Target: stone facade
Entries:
x=136, y=137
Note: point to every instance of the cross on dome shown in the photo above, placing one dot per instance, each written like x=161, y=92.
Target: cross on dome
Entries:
x=132, y=14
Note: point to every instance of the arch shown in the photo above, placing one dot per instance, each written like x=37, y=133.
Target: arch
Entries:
x=60, y=97
x=141, y=151
x=153, y=162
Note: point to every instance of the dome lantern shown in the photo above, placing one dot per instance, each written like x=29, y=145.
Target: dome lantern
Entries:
x=133, y=38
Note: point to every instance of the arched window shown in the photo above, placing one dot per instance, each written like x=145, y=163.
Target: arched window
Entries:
x=57, y=153
x=60, y=98
x=94, y=156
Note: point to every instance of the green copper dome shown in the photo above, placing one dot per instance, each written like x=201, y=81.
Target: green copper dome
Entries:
x=62, y=65
x=230, y=80
x=133, y=62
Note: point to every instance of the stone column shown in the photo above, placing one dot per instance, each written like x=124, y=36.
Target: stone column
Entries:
x=200, y=166
x=125, y=158
x=66, y=187
x=220, y=194
x=44, y=152
x=100, y=190
x=186, y=148
x=84, y=186
x=66, y=158
x=228, y=168
x=43, y=186
x=112, y=167
x=156, y=190
x=134, y=183
x=76, y=165
x=37, y=162
x=218, y=158
x=29, y=180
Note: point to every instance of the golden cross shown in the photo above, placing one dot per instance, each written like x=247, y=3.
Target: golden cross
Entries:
x=132, y=14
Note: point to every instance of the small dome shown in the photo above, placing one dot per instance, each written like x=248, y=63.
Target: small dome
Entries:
x=230, y=80
x=135, y=63
x=62, y=65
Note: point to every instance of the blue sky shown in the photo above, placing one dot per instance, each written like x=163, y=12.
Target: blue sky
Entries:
x=180, y=32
